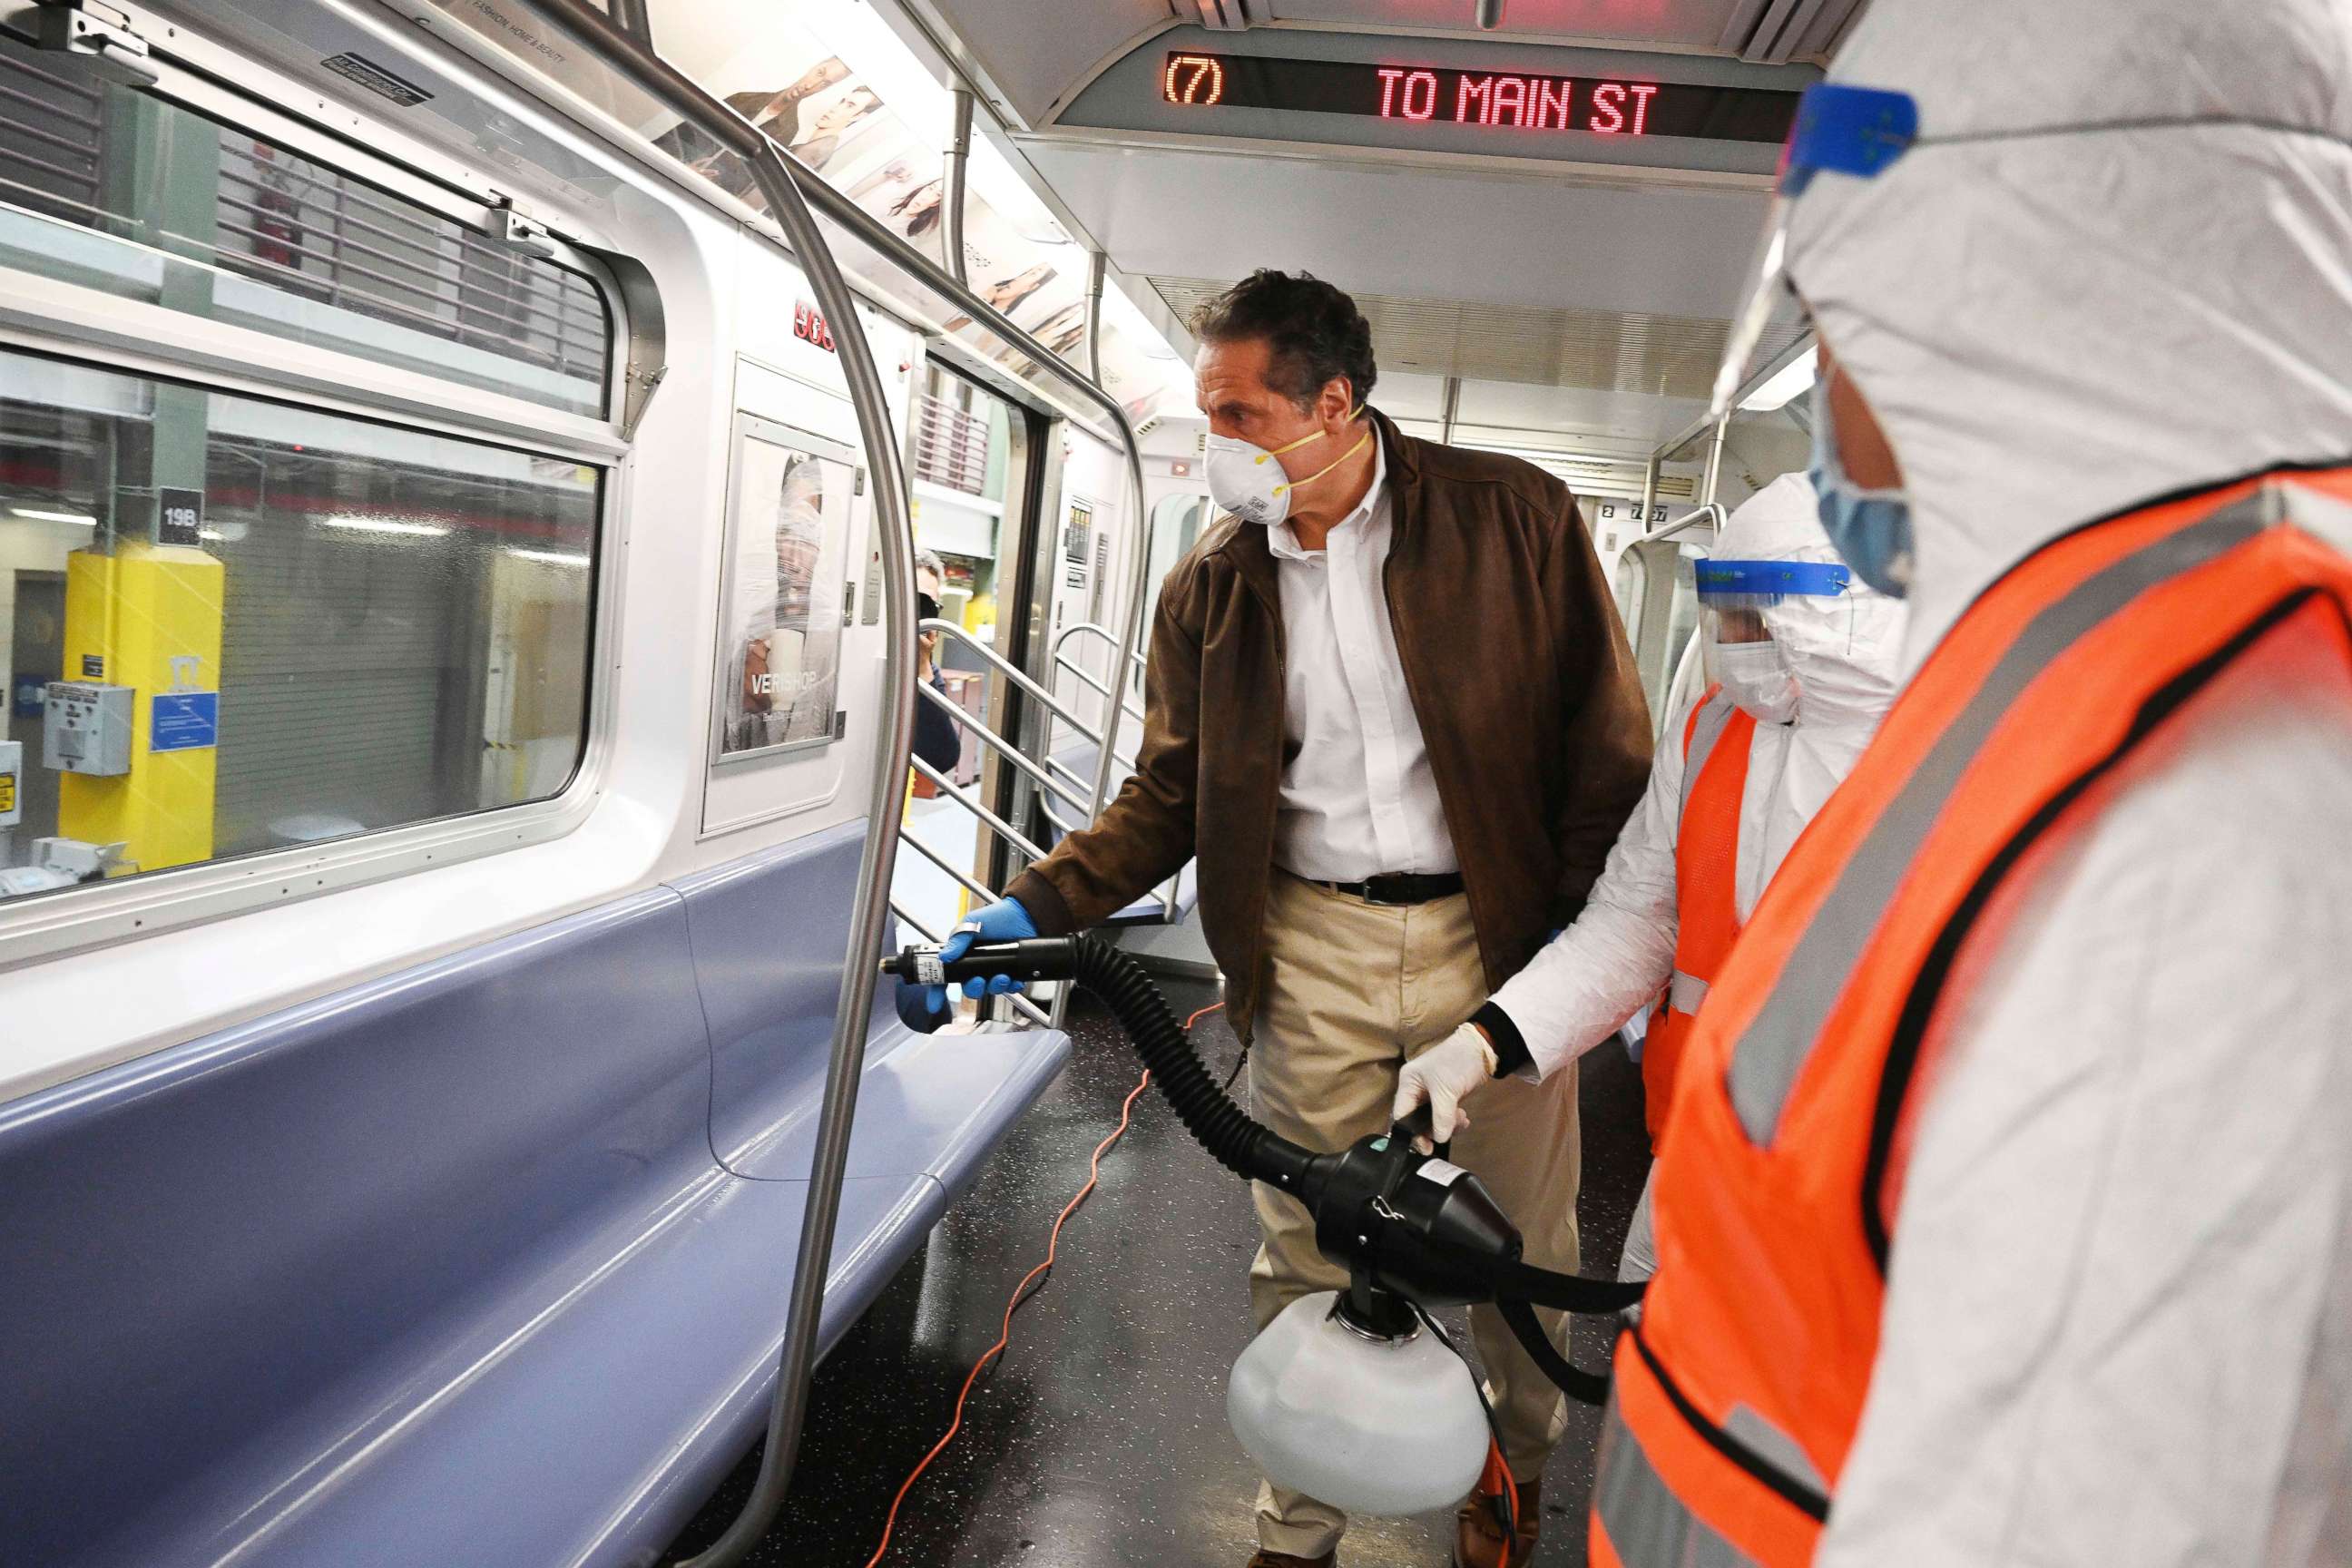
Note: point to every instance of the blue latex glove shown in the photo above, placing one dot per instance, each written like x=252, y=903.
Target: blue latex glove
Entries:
x=1004, y=921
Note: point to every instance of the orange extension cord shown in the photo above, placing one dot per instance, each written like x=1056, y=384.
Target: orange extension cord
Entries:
x=1020, y=1292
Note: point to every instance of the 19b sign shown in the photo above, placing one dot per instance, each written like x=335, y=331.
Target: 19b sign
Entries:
x=178, y=516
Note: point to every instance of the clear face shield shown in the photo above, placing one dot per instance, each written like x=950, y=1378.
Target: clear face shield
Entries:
x=1733, y=596
x=1855, y=130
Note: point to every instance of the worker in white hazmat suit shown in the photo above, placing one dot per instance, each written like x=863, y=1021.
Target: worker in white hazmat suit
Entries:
x=2005, y=1211
x=1805, y=663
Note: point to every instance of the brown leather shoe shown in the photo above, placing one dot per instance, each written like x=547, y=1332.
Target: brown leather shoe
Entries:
x=1478, y=1535
x=1284, y=1559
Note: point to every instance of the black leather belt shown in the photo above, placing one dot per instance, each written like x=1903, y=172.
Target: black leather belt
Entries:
x=1400, y=886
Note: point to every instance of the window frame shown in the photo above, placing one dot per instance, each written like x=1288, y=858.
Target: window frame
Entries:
x=80, y=324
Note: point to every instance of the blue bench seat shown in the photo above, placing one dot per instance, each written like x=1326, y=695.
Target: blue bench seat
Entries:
x=444, y=1269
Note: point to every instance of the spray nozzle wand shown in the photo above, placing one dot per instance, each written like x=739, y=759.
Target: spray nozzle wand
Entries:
x=1405, y=1224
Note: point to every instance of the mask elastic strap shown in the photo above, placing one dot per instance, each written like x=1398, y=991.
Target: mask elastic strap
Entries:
x=1361, y=443
x=1303, y=440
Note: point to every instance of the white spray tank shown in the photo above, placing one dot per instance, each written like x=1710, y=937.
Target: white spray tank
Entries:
x=1366, y=1421
x=1347, y=1396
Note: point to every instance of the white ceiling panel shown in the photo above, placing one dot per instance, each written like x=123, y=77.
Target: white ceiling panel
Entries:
x=1692, y=25
x=1411, y=232
x=1541, y=349
x=1026, y=54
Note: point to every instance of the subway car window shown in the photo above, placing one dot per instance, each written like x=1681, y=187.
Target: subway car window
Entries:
x=234, y=625
x=200, y=218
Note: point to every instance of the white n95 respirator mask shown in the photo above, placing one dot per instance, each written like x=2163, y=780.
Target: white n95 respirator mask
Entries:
x=1756, y=677
x=1244, y=478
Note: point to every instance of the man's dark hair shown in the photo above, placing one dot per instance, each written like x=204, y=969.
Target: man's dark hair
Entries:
x=1311, y=330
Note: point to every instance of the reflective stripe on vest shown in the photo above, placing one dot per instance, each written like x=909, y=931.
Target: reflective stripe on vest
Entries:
x=1644, y=1522
x=1707, y=724
x=2048, y=697
x=1716, y=741
x=1774, y=1049
x=1686, y=991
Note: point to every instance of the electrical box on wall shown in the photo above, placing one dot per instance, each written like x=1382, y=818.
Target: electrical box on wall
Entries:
x=86, y=729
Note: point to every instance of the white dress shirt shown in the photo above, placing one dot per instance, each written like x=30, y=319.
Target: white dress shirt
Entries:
x=1357, y=796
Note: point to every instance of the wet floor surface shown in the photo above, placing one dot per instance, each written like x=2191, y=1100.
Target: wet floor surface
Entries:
x=1100, y=1437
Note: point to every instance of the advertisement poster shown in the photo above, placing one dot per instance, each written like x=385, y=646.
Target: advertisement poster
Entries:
x=772, y=67
x=781, y=620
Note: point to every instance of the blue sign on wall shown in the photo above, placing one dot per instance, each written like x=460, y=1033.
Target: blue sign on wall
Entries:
x=184, y=722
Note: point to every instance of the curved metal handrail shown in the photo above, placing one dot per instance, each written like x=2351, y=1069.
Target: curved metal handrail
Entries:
x=951, y=200
x=998, y=743
x=956, y=792
x=1002, y=666
x=1064, y=661
x=1009, y=670
x=1135, y=656
x=1094, y=683
x=778, y=180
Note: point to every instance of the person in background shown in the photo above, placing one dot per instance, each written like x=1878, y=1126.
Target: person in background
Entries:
x=2004, y=1214
x=1805, y=659
x=937, y=741
x=1391, y=709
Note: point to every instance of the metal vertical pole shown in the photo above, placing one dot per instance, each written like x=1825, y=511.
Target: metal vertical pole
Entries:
x=1097, y=263
x=1138, y=578
x=959, y=159
x=855, y=1005
x=1452, y=407
x=630, y=16
x=1715, y=460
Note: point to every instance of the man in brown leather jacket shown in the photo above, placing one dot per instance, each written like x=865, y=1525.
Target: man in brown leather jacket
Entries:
x=1391, y=711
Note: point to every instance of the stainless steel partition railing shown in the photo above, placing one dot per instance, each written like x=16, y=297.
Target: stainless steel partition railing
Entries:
x=1167, y=891
x=1012, y=753
x=894, y=520
x=1087, y=677
x=999, y=665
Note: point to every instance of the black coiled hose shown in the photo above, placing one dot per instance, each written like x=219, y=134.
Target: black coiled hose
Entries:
x=1253, y=1152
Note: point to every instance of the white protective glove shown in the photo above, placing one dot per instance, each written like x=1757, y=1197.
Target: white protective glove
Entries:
x=1444, y=1076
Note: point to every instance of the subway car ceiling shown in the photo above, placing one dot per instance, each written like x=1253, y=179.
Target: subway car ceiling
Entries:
x=1548, y=259
x=1554, y=214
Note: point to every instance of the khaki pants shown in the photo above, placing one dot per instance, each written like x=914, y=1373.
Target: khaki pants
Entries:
x=1352, y=991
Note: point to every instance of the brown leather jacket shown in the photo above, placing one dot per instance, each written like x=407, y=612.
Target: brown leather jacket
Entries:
x=1537, y=729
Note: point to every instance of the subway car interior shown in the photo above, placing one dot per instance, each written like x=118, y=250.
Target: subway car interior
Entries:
x=553, y=552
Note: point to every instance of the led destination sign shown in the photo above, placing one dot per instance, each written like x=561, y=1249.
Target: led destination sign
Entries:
x=1450, y=95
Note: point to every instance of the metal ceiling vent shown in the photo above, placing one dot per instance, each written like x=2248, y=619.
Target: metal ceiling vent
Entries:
x=1774, y=32
x=1226, y=15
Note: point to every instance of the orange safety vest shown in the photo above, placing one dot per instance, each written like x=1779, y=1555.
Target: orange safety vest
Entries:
x=1716, y=744
x=1739, y=1387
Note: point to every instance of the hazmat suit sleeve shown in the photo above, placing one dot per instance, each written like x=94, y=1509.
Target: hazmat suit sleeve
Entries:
x=1611, y=961
x=2118, y=1320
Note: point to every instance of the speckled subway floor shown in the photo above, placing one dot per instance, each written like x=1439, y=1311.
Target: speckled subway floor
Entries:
x=1101, y=1436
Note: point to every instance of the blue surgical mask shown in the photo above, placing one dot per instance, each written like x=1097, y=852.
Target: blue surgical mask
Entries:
x=1871, y=529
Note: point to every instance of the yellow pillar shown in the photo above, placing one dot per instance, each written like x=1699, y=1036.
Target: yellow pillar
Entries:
x=152, y=613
